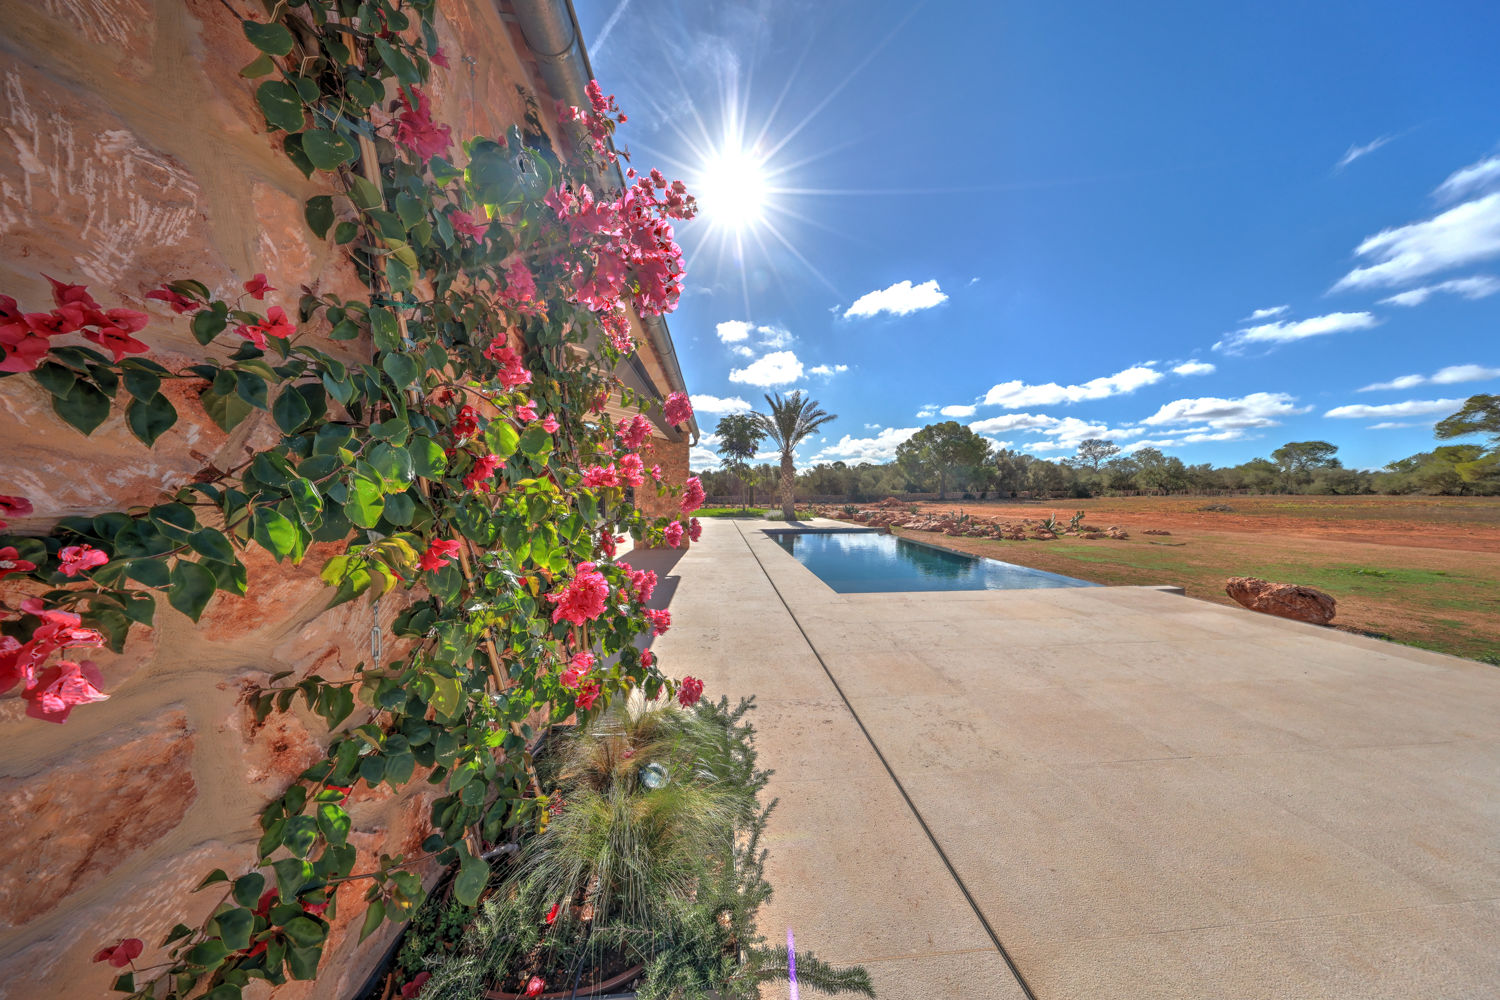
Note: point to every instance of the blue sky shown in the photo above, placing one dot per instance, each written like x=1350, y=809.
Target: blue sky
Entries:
x=1210, y=228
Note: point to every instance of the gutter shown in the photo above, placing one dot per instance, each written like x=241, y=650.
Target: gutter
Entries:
x=550, y=29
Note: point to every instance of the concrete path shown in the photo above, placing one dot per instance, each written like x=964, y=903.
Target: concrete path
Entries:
x=1121, y=791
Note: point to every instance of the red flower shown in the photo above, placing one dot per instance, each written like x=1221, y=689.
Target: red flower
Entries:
x=512, y=373
x=677, y=409
x=673, y=534
x=607, y=543
x=598, y=476
x=71, y=294
x=584, y=598
x=126, y=319
x=258, y=287
x=534, y=986
x=689, y=691
x=263, y=905
x=439, y=58
x=643, y=581
x=11, y=562
x=13, y=507
x=63, y=686
x=276, y=325
x=77, y=559
x=63, y=319
x=414, y=987
x=416, y=130
x=478, y=479
x=587, y=695
x=692, y=495
x=316, y=909
x=24, y=347
x=647, y=657
x=438, y=554
x=116, y=340
x=465, y=223
x=466, y=424
x=527, y=411
x=660, y=619
x=552, y=913
x=695, y=529
x=343, y=790
x=550, y=424
x=178, y=302
x=129, y=949
x=632, y=469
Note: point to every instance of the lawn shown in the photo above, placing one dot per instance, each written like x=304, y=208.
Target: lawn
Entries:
x=1420, y=570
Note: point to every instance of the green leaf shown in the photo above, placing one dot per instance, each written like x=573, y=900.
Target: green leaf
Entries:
x=385, y=330
x=258, y=67
x=447, y=697
x=363, y=193
x=225, y=991
x=213, y=877
x=374, y=917
x=397, y=274
x=252, y=389
x=272, y=39
x=274, y=533
x=281, y=105
x=228, y=411
x=473, y=875
x=209, y=323
x=405, y=70
x=427, y=457
x=401, y=368
x=502, y=438
x=536, y=441
x=326, y=148
x=142, y=383
x=290, y=411
x=192, y=587
x=150, y=571
x=302, y=963
x=208, y=954
x=305, y=932
x=393, y=463
x=247, y=888
x=366, y=503
x=149, y=419
x=235, y=927
x=333, y=823
x=85, y=407
x=212, y=543
x=319, y=214
x=400, y=509
x=344, y=232
x=291, y=875
x=301, y=833
x=410, y=209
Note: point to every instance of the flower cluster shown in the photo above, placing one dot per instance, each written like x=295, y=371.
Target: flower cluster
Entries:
x=583, y=599
x=27, y=336
x=51, y=692
x=415, y=129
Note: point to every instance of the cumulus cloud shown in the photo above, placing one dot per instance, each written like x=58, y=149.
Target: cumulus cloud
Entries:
x=1475, y=177
x=743, y=351
x=1258, y=409
x=928, y=410
x=777, y=368
x=880, y=448
x=719, y=405
x=1286, y=331
x=772, y=337
x=1390, y=425
x=900, y=299
x=1015, y=394
x=702, y=458
x=1265, y=313
x=1012, y=422
x=1410, y=408
x=1355, y=152
x=1194, y=368
x=1462, y=235
x=1451, y=375
x=734, y=330
x=1477, y=287
x=957, y=410
x=1188, y=437
x=825, y=370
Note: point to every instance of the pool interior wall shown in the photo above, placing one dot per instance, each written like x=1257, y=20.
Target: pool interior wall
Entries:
x=862, y=561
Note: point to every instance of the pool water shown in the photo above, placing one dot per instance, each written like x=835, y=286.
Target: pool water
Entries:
x=868, y=562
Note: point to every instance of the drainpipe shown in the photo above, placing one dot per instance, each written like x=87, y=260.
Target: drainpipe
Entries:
x=550, y=28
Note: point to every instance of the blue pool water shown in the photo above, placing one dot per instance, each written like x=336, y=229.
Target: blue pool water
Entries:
x=868, y=562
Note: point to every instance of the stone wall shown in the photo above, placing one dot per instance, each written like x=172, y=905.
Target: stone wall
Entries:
x=132, y=152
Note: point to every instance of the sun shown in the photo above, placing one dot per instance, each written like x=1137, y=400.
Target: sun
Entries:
x=732, y=188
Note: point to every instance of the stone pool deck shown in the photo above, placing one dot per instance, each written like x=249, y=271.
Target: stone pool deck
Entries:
x=1123, y=792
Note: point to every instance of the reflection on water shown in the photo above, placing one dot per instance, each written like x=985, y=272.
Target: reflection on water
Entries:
x=871, y=562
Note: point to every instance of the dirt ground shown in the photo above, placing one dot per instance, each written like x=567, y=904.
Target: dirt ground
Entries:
x=1419, y=570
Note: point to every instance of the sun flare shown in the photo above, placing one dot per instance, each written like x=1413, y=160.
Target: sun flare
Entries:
x=732, y=189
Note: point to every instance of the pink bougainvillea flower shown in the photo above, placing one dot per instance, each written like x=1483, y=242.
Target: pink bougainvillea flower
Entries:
x=316, y=909
x=10, y=312
x=647, y=657
x=13, y=507
x=438, y=554
x=11, y=562
x=617, y=328
x=77, y=559
x=550, y=424
x=512, y=374
x=526, y=411
x=606, y=543
x=534, y=986
x=128, y=320
x=178, y=302
x=24, y=347
x=660, y=619
x=643, y=582
x=63, y=319
x=478, y=479
x=276, y=325
x=415, y=129
x=61, y=687
x=692, y=494
x=673, y=534
x=129, y=949
x=116, y=340
x=587, y=695
x=634, y=434
x=552, y=913
x=695, y=529
x=598, y=476
x=258, y=286
x=466, y=424
x=632, y=470
x=64, y=294
x=343, y=790
x=583, y=660
x=583, y=599
x=466, y=224
x=689, y=691
x=678, y=409
x=656, y=473
x=414, y=987
x=440, y=58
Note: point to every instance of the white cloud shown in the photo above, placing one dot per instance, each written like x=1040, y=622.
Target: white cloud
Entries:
x=773, y=337
x=777, y=368
x=716, y=405
x=957, y=411
x=1265, y=313
x=1390, y=425
x=900, y=299
x=734, y=330
x=1400, y=382
x=1451, y=375
x=1015, y=394
x=880, y=448
x=1355, y=152
x=1258, y=409
x=929, y=410
x=1475, y=177
x=1410, y=408
x=702, y=458
x=1286, y=331
x=1013, y=422
x=1194, y=368
x=826, y=370
x=1462, y=235
x=744, y=351
x=1477, y=287
x=872, y=427
x=1190, y=437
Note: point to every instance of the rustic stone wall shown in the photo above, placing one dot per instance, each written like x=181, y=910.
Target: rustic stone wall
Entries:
x=672, y=456
x=132, y=152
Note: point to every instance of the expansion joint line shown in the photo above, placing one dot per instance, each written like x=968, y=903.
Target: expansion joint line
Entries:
x=953, y=872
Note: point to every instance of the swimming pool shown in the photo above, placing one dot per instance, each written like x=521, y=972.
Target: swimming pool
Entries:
x=869, y=562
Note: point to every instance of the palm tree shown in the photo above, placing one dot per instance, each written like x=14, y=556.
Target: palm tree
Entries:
x=790, y=421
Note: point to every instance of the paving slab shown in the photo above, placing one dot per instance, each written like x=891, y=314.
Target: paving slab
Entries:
x=1137, y=794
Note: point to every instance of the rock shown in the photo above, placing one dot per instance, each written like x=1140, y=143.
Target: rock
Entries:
x=1118, y=533
x=1092, y=534
x=1287, y=600
x=1155, y=531
x=1044, y=536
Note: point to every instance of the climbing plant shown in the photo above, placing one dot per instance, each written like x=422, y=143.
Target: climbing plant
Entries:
x=455, y=452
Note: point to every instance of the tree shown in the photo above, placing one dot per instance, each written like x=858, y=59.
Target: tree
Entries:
x=947, y=450
x=1480, y=415
x=1093, y=452
x=740, y=435
x=1010, y=471
x=1159, y=473
x=1045, y=477
x=1297, y=459
x=790, y=421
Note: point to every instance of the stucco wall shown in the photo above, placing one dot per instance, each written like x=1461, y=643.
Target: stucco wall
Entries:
x=132, y=152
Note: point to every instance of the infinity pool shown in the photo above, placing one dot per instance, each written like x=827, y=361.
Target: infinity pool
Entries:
x=869, y=562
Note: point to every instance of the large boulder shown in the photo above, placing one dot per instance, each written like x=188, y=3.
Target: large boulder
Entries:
x=1287, y=600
